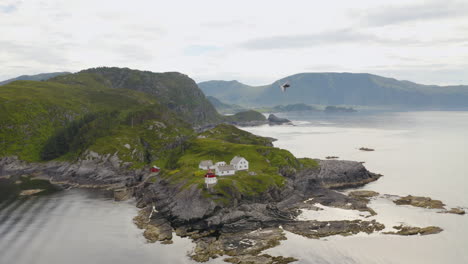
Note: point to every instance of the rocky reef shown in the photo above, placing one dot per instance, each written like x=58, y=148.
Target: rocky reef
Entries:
x=411, y=231
x=418, y=201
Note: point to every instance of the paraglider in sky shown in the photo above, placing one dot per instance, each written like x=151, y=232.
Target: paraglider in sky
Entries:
x=284, y=87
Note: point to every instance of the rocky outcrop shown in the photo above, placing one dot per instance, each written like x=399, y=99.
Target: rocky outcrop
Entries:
x=157, y=227
x=418, y=201
x=363, y=194
x=187, y=207
x=262, y=259
x=336, y=174
x=93, y=170
x=411, y=231
x=243, y=245
x=274, y=120
x=318, y=229
x=458, y=211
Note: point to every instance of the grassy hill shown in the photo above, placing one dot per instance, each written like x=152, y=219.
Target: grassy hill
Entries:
x=175, y=90
x=358, y=89
x=57, y=119
x=37, y=77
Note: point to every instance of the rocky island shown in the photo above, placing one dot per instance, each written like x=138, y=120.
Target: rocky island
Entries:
x=107, y=127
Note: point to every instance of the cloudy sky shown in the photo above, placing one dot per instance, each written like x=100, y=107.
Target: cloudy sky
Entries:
x=256, y=42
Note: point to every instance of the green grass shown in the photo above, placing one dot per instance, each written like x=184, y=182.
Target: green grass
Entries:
x=232, y=134
x=308, y=163
x=264, y=161
x=61, y=118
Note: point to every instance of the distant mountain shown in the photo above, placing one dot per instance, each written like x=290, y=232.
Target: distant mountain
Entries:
x=339, y=89
x=225, y=108
x=37, y=77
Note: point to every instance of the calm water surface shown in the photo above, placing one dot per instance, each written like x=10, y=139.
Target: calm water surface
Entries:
x=419, y=153
x=79, y=226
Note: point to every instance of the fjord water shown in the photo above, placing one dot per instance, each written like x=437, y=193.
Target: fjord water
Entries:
x=78, y=226
x=419, y=153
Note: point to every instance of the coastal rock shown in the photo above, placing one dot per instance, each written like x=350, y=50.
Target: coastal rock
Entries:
x=366, y=149
x=123, y=194
x=156, y=227
x=363, y=195
x=237, y=244
x=336, y=174
x=274, y=120
x=458, y=211
x=93, y=170
x=262, y=259
x=411, y=231
x=319, y=229
x=419, y=201
x=181, y=205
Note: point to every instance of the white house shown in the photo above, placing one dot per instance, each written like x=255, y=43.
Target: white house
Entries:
x=240, y=163
x=205, y=164
x=221, y=163
x=225, y=170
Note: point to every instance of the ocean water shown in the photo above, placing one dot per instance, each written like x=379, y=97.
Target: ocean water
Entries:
x=79, y=226
x=419, y=153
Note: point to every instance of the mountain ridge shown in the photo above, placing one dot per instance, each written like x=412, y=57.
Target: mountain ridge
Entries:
x=34, y=77
x=332, y=88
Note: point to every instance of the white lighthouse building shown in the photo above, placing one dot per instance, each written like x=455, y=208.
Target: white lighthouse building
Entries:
x=210, y=178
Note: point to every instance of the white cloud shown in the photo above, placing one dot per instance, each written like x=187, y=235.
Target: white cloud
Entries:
x=255, y=42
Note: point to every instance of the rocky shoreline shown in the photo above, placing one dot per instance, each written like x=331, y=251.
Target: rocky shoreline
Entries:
x=245, y=227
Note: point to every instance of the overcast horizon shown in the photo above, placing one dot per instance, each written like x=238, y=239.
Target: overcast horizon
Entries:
x=255, y=43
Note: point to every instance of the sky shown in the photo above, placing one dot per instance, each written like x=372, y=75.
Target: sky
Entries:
x=255, y=42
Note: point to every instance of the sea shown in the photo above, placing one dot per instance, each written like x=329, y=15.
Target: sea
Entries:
x=422, y=153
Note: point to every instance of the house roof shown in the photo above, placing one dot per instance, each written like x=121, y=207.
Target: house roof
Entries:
x=205, y=163
x=226, y=168
x=236, y=159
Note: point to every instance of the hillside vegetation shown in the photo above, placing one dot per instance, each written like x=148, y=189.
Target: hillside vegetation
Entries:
x=224, y=142
x=96, y=114
x=48, y=120
x=358, y=89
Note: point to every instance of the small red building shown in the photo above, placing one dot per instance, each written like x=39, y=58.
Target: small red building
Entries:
x=155, y=169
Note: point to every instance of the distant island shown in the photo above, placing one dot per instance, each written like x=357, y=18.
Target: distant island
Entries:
x=234, y=109
x=329, y=88
x=338, y=109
